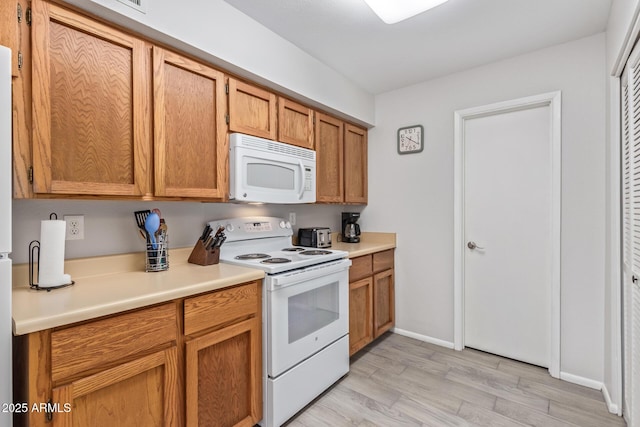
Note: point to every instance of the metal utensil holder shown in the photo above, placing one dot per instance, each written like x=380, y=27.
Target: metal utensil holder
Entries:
x=158, y=259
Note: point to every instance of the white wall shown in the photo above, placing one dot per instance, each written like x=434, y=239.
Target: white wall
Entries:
x=220, y=34
x=413, y=194
x=110, y=226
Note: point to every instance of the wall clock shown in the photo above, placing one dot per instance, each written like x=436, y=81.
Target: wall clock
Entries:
x=410, y=139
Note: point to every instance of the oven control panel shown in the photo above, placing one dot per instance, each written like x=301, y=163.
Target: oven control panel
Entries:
x=257, y=227
x=247, y=228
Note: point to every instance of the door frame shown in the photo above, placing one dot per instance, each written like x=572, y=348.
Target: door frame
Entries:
x=553, y=101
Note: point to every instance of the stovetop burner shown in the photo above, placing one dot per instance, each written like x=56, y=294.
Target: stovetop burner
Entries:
x=252, y=256
x=275, y=261
x=292, y=249
x=315, y=252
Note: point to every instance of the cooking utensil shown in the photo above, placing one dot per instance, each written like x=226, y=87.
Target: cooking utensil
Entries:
x=220, y=241
x=141, y=217
x=219, y=231
x=207, y=243
x=151, y=224
x=205, y=233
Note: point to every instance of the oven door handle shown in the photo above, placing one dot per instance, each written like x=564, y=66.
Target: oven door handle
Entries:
x=284, y=280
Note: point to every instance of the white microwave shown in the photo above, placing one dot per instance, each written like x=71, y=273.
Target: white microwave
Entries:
x=265, y=171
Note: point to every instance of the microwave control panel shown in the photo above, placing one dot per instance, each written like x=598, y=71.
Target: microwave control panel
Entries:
x=308, y=175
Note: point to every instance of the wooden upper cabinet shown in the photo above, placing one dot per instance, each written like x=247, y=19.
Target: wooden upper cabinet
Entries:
x=295, y=123
x=252, y=110
x=355, y=165
x=91, y=111
x=190, y=155
x=9, y=32
x=329, y=144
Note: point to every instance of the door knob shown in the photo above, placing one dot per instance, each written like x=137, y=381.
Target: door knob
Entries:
x=472, y=245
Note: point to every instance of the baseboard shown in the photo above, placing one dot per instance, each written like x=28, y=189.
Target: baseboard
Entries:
x=424, y=338
x=613, y=407
x=576, y=379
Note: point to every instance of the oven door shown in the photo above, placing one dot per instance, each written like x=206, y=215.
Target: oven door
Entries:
x=306, y=316
x=268, y=177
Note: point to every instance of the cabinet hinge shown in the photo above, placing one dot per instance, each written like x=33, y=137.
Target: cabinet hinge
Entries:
x=226, y=88
x=19, y=60
x=29, y=15
x=226, y=117
x=19, y=13
x=30, y=174
x=49, y=413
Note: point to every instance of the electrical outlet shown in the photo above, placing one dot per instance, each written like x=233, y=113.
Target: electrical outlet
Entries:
x=292, y=218
x=75, y=227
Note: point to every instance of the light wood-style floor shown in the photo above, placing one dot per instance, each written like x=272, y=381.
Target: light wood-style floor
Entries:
x=400, y=381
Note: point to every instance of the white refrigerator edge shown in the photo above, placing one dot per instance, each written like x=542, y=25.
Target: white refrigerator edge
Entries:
x=5, y=237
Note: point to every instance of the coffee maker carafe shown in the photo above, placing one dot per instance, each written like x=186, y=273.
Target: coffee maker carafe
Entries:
x=350, y=227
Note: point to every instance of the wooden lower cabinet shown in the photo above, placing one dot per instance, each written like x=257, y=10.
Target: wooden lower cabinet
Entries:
x=384, y=301
x=138, y=393
x=371, y=298
x=223, y=377
x=195, y=361
x=360, y=314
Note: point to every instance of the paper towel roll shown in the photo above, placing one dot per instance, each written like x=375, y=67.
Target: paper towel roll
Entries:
x=51, y=264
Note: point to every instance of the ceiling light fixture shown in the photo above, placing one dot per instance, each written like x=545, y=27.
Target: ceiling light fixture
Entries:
x=395, y=11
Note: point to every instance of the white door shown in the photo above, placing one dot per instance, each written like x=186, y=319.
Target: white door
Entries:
x=508, y=233
x=631, y=236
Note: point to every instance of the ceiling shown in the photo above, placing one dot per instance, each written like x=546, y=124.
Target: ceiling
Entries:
x=460, y=34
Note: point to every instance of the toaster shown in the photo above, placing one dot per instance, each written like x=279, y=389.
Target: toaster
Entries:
x=316, y=237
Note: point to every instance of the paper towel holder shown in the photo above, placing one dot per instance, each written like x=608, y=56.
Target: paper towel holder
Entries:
x=34, y=258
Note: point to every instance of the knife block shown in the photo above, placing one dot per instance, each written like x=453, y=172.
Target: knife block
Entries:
x=201, y=256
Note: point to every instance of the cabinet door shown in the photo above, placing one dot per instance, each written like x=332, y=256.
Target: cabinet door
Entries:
x=224, y=376
x=329, y=159
x=137, y=393
x=189, y=127
x=295, y=124
x=360, y=314
x=91, y=110
x=252, y=110
x=355, y=165
x=383, y=302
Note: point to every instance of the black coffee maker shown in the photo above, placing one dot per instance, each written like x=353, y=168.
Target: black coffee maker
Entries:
x=350, y=227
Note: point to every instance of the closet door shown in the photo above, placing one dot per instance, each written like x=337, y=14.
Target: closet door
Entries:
x=631, y=236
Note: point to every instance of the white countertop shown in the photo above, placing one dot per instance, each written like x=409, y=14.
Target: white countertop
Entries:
x=108, y=285
x=113, y=284
x=369, y=243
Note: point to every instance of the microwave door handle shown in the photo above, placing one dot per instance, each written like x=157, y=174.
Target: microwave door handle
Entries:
x=302, y=179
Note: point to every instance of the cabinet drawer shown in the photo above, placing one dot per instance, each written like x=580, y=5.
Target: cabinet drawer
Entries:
x=383, y=260
x=217, y=308
x=91, y=345
x=360, y=267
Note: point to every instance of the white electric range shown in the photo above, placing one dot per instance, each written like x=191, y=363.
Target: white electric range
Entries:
x=305, y=311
